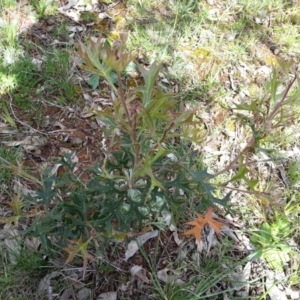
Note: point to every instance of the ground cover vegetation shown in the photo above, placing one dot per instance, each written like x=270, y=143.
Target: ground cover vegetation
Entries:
x=123, y=124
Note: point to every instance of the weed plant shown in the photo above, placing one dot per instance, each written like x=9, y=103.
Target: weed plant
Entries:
x=13, y=156
x=58, y=79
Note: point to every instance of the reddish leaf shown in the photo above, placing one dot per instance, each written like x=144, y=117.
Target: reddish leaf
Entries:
x=200, y=222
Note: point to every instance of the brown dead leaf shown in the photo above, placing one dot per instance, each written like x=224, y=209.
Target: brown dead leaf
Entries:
x=140, y=273
x=200, y=222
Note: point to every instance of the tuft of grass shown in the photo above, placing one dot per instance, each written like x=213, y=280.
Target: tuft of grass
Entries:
x=44, y=8
x=287, y=36
x=58, y=79
x=294, y=172
x=20, y=279
x=11, y=155
x=51, y=77
x=24, y=75
x=209, y=276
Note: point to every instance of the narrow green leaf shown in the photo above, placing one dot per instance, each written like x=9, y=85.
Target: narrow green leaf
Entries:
x=240, y=174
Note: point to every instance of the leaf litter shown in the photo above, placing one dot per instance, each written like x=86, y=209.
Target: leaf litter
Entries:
x=134, y=245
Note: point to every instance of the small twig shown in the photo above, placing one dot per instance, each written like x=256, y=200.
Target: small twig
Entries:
x=61, y=130
x=52, y=104
x=122, y=97
x=19, y=121
x=233, y=164
x=111, y=264
x=165, y=247
x=243, y=191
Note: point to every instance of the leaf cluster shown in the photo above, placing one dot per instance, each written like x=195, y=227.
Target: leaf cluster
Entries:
x=270, y=242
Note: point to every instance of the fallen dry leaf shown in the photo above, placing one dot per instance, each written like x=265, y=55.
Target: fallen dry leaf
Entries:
x=47, y=281
x=200, y=222
x=12, y=242
x=169, y=278
x=133, y=246
x=139, y=272
x=108, y=296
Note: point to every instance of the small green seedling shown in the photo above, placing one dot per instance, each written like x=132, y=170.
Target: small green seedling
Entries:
x=269, y=241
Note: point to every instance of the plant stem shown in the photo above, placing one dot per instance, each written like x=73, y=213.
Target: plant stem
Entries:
x=281, y=102
x=132, y=124
x=165, y=133
x=244, y=191
x=122, y=98
x=233, y=164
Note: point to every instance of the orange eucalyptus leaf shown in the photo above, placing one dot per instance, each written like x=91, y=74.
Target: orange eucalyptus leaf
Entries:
x=200, y=222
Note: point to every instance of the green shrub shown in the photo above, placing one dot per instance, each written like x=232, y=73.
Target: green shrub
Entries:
x=140, y=176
